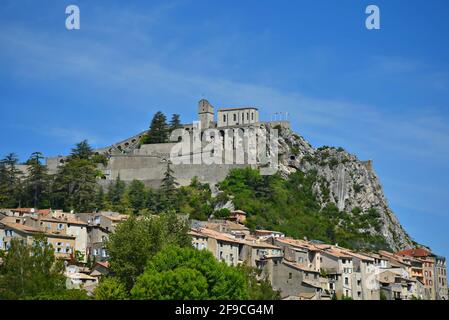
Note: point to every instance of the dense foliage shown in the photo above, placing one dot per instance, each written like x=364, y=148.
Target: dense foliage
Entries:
x=137, y=240
x=32, y=272
x=159, y=131
x=290, y=205
x=176, y=273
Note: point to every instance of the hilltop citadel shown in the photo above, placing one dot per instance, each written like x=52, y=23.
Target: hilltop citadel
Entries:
x=131, y=160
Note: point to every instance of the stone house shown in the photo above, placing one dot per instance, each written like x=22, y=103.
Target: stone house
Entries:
x=296, y=280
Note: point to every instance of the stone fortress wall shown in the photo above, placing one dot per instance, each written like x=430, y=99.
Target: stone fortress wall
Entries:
x=149, y=162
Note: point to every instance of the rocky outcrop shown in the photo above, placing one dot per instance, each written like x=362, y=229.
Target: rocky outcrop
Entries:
x=344, y=180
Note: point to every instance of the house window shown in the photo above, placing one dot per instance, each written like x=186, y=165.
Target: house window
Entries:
x=252, y=116
x=347, y=281
x=247, y=116
x=235, y=117
x=224, y=118
x=290, y=275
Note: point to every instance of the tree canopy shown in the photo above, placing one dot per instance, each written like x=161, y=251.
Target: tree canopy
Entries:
x=187, y=273
x=137, y=240
x=32, y=272
x=159, y=130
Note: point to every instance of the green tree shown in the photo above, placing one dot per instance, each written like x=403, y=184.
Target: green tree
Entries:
x=175, y=122
x=30, y=271
x=10, y=182
x=100, y=199
x=158, y=132
x=82, y=150
x=168, y=188
x=137, y=195
x=138, y=239
x=186, y=273
x=110, y=289
x=75, y=185
x=223, y=213
x=116, y=191
x=37, y=182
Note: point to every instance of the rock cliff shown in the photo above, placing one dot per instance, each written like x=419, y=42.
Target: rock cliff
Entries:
x=349, y=183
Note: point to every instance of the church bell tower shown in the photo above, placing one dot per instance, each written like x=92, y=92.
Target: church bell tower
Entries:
x=205, y=114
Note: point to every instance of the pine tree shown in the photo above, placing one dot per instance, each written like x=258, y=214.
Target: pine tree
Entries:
x=167, y=191
x=137, y=195
x=37, y=181
x=75, y=183
x=175, y=122
x=158, y=132
x=10, y=182
x=169, y=183
x=100, y=199
x=116, y=191
x=82, y=150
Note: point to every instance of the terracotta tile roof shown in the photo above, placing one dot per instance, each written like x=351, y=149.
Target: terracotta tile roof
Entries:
x=394, y=258
x=260, y=244
x=219, y=235
x=416, y=252
x=44, y=212
x=72, y=220
x=22, y=210
x=336, y=253
x=360, y=256
x=298, y=243
x=17, y=226
x=312, y=284
x=299, y=266
x=103, y=263
x=196, y=234
x=118, y=218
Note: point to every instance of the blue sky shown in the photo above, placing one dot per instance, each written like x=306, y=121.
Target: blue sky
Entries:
x=382, y=95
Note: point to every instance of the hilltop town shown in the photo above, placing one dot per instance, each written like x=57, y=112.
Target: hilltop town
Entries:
x=317, y=228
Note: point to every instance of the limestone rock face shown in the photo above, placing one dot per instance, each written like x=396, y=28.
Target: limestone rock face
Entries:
x=343, y=180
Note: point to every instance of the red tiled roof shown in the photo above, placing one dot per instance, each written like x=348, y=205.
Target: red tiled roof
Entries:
x=103, y=263
x=416, y=252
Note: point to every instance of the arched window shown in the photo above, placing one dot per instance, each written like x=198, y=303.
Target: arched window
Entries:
x=247, y=116
x=252, y=115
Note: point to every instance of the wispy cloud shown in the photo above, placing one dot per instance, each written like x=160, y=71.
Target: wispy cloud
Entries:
x=39, y=56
